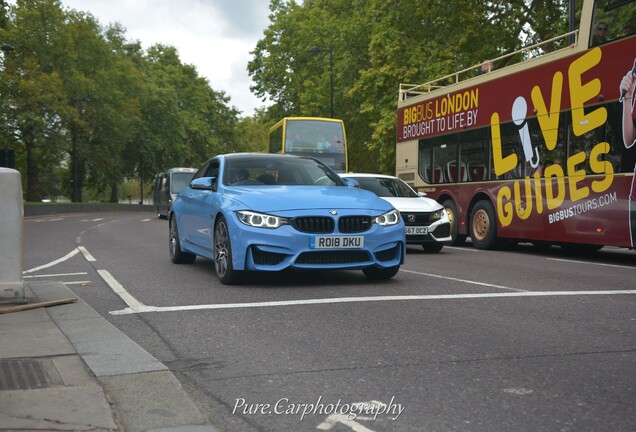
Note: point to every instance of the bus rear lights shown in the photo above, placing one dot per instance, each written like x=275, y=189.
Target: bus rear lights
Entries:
x=599, y=230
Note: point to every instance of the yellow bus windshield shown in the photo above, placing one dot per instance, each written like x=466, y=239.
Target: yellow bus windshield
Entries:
x=323, y=139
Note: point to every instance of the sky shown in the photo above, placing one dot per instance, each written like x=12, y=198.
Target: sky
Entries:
x=215, y=36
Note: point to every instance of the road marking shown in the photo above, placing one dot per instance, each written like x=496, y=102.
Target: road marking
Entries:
x=519, y=391
x=69, y=255
x=77, y=283
x=347, y=417
x=469, y=249
x=87, y=255
x=140, y=308
x=133, y=304
x=146, y=220
x=54, y=275
x=464, y=280
x=591, y=263
x=343, y=419
x=48, y=220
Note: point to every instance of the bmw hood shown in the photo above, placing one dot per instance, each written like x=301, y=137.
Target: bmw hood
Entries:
x=285, y=198
x=420, y=204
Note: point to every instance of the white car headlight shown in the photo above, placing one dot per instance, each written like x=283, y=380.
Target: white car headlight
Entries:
x=436, y=215
x=260, y=220
x=388, y=218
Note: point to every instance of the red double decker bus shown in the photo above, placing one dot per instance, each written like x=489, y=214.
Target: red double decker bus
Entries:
x=541, y=150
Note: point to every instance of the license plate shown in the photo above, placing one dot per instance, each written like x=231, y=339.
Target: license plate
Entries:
x=415, y=230
x=337, y=242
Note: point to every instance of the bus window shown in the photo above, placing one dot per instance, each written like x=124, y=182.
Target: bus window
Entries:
x=276, y=140
x=474, y=154
x=321, y=138
x=617, y=155
x=426, y=163
x=613, y=19
x=445, y=155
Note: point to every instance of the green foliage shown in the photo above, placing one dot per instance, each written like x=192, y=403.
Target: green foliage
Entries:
x=252, y=132
x=80, y=101
x=376, y=46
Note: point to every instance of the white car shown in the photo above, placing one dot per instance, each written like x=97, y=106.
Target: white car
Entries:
x=425, y=220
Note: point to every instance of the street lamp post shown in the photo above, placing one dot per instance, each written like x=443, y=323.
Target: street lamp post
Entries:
x=330, y=50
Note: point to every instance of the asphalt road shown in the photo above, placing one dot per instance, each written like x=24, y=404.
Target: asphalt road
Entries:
x=463, y=340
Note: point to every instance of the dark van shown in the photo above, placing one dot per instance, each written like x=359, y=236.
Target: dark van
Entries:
x=166, y=187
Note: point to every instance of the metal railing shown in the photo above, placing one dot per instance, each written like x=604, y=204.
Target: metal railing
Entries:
x=526, y=53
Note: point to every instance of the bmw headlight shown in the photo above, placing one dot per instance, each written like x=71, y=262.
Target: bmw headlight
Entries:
x=436, y=215
x=388, y=218
x=260, y=220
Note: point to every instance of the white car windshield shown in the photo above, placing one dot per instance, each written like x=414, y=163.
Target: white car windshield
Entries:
x=386, y=187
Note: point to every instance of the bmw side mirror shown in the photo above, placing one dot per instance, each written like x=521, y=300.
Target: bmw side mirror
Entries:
x=203, y=183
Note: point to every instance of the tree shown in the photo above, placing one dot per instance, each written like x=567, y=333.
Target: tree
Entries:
x=184, y=121
x=376, y=46
x=32, y=94
x=252, y=132
x=80, y=99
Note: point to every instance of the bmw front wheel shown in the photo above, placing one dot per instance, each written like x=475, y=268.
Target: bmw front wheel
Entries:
x=223, y=254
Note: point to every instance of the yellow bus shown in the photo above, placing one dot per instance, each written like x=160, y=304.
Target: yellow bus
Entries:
x=321, y=138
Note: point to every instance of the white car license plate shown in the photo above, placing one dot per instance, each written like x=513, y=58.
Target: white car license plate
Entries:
x=337, y=242
x=415, y=230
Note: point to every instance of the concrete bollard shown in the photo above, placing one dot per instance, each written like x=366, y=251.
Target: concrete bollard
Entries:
x=11, y=237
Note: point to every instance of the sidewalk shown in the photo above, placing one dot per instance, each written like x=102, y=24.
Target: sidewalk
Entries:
x=66, y=368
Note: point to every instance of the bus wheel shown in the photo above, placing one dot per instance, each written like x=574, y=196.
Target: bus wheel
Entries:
x=483, y=226
x=451, y=211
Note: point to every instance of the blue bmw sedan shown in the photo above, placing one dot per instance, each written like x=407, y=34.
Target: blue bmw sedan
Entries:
x=270, y=212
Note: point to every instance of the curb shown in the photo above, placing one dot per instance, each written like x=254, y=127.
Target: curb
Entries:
x=144, y=394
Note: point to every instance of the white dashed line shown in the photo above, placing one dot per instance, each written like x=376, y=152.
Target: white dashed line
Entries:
x=591, y=263
x=464, y=280
x=54, y=275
